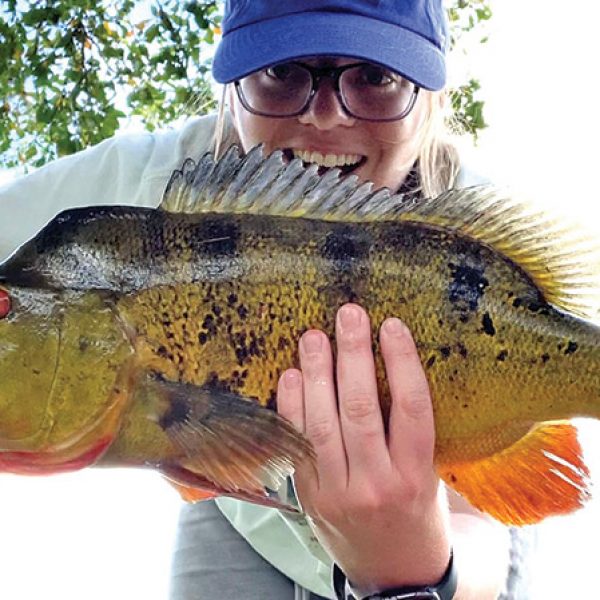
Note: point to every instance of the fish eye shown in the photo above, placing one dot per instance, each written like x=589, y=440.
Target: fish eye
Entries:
x=4, y=303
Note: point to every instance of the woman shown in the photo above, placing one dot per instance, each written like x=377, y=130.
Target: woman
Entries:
x=355, y=84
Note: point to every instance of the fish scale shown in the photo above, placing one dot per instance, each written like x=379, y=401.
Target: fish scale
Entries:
x=176, y=323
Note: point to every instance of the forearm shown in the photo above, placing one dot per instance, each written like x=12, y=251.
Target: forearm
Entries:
x=481, y=551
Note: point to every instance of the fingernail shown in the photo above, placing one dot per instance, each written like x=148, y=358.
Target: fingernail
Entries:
x=312, y=342
x=394, y=326
x=291, y=380
x=350, y=316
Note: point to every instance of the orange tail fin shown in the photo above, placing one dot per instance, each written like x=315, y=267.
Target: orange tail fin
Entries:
x=541, y=475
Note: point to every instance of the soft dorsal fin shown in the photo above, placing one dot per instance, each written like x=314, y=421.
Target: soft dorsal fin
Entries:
x=558, y=259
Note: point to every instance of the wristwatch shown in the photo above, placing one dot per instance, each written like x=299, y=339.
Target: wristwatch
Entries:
x=443, y=590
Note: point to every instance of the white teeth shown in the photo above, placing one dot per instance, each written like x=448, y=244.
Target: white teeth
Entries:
x=329, y=160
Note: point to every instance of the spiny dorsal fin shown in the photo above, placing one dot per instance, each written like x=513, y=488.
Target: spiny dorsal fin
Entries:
x=560, y=262
x=257, y=185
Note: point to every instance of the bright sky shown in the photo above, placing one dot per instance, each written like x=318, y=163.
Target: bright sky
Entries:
x=108, y=534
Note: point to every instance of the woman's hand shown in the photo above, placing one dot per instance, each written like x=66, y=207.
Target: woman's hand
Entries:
x=375, y=503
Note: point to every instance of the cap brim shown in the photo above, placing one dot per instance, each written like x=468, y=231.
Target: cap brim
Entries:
x=252, y=47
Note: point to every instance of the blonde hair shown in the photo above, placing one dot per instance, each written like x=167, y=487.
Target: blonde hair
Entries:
x=437, y=159
x=224, y=134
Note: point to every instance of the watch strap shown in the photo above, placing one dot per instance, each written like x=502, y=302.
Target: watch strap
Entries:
x=445, y=589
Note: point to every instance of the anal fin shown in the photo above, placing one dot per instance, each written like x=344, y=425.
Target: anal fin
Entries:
x=194, y=488
x=541, y=475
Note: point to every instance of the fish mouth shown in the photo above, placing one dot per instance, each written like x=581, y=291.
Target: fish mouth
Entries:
x=345, y=163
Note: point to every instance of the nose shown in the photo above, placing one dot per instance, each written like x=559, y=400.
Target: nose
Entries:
x=325, y=111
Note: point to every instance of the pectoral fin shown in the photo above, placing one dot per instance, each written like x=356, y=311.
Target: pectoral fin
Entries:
x=227, y=444
x=541, y=475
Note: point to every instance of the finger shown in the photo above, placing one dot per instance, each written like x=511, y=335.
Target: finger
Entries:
x=360, y=414
x=290, y=404
x=290, y=401
x=411, y=430
x=321, y=420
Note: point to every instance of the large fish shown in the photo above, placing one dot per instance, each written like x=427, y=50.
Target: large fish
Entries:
x=155, y=337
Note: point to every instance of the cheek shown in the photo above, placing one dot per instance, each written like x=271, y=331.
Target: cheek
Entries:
x=396, y=133
x=254, y=130
x=393, y=150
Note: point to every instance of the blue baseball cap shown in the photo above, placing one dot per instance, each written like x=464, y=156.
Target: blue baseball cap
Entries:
x=407, y=36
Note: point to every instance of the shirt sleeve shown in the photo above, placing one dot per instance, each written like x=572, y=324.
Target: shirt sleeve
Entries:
x=124, y=170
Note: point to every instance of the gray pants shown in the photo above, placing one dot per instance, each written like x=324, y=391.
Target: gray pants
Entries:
x=212, y=561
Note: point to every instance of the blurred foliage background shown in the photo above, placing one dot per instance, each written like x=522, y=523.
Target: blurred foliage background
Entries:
x=72, y=71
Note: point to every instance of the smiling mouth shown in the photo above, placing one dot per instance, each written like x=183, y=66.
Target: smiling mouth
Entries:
x=346, y=163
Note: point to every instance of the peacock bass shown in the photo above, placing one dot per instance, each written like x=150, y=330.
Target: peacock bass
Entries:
x=155, y=337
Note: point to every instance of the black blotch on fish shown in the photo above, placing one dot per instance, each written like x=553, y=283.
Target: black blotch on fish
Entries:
x=209, y=325
x=571, y=347
x=488, y=324
x=246, y=346
x=154, y=242
x=345, y=246
x=462, y=349
x=502, y=355
x=430, y=361
x=217, y=385
x=347, y=292
x=538, y=307
x=241, y=353
x=177, y=413
x=283, y=343
x=444, y=351
x=216, y=236
x=272, y=400
x=534, y=306
x=467, y=286
x=336, y=293
x=163, y=352
x=545, y=358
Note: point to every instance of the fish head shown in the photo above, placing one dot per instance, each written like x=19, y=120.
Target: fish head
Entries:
x=62, y=357
x=63, y=349
x=29, y=349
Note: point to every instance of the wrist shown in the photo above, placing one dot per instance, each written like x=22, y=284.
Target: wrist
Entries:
x=444, y=589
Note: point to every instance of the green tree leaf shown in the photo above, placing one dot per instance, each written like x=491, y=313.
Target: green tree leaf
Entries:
x=72, y=71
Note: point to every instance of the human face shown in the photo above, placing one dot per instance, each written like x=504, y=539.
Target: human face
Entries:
x=382, y=152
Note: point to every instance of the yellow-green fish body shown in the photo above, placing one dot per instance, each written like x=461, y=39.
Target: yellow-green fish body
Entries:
x=136, y=336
